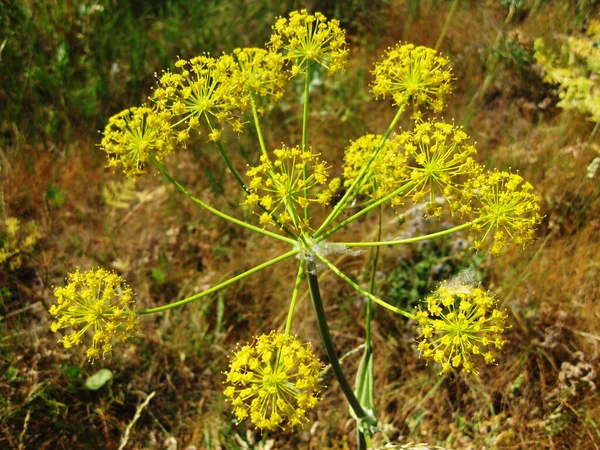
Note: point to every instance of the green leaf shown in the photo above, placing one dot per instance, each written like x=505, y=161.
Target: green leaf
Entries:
x=71, y=372
x=158, y=275
x=55, y=196
x=99, y=379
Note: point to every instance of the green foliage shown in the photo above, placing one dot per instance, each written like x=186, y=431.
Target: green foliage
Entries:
x=432, y=262
x=511, y=52
x=67, y=65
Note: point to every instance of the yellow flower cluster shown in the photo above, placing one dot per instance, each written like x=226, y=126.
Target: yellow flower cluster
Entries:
x=16, y=240
x=460, y=324
x=133, y=135
x=413, y=73
x=274, y=381
x=508, y=207
x=204, y=89
x=98, y=300
x=440, y=161
x=306, y=37
x=575, y=69
x=262, y=74
x=386, y=173
x=279, y=186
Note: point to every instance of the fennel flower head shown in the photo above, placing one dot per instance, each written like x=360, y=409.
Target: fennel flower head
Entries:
x=441, y=160
x=204, y=89
x=274, y=381
x=413, y=73
x=280, y=187
x=306, y=37
x=133, y=135
x=460, y=327
x=388, y=171
x=508, y=210
x=262, y=74
x=95, y=300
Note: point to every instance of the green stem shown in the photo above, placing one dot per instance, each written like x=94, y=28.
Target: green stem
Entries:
x=290, y=316
x=446, y=25
x=221, y=285
x=361, y=291
x=361, y=440
x=364, y=211
x=238, y=177
x=230, y=166
x=414, y=239
x=216, y=211
x=315, y=295
x=261, y=141
x=352, y=190
x=305, y=131
x=371, y=291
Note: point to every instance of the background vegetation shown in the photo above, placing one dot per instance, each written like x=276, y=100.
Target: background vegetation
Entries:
x=66, y=66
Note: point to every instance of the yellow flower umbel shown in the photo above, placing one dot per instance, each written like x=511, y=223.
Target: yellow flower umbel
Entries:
x=459, y=327
x=17, y=240
x=509, y=209
x=279, y=186
x=386, y=173
x=441, y=160
x=203, y=90
x=98, y=300
x=305, y=37
x=133, y=135
x=416, y=74
x=274, y=381
x=262, y=74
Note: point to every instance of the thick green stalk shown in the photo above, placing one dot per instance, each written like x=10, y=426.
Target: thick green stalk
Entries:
x=315, y=295
x=414, y=239
x=352, y=190
x=221, y=285
x=361, y=291
x=364, y=211
x=216, y=211
x=290, y=316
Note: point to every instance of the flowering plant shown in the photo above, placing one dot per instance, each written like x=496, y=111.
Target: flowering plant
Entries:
x=274, y=381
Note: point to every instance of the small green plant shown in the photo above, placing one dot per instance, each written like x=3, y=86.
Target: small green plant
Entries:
x=274, y=380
